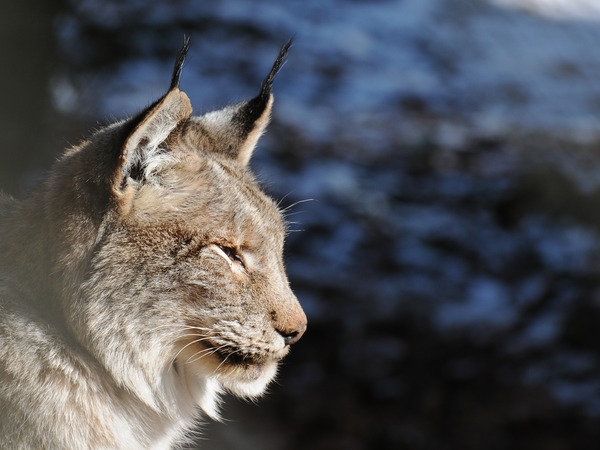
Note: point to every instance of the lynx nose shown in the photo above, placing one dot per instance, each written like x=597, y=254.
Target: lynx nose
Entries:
x=290, y=327
x=291, y=337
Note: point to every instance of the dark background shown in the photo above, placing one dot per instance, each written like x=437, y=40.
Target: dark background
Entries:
x=449, y=259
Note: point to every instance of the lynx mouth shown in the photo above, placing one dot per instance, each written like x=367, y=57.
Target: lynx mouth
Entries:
x=243, y=373
x=233, y=356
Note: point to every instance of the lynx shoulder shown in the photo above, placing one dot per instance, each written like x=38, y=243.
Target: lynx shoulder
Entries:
x=142, y=280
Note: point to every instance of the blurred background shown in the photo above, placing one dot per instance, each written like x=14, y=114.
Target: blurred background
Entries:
x=450, y=256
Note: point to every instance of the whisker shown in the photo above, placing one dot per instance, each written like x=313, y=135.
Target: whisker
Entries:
x=293, y=213
x=176, y=329
x=199, y=355
x=207, y=352
x=226, y=358
x=179, y=352
x=287, y=208
x=195, y=341
x=283, y=198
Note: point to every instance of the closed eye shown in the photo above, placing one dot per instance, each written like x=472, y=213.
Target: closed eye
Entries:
x=232, y=254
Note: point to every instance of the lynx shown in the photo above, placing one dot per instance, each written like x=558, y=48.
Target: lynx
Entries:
x=142, y=280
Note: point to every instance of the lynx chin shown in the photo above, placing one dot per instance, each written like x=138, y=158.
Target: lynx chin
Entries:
x=142, y=280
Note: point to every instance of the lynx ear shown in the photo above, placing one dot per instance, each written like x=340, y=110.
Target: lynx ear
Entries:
x=238, y=128
x=142, y=147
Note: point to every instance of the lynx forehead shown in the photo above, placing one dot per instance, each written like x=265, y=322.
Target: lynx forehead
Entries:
x=143, y=279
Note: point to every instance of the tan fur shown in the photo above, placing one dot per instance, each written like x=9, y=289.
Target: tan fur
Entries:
x=144, y=278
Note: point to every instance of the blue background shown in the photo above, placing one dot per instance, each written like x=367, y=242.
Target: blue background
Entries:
x=449, y=251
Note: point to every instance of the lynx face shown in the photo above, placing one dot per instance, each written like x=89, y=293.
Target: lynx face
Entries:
x=170, y=254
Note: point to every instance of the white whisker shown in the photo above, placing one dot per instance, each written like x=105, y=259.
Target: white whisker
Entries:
x=287, y=208
x=283, y=198
x=226, y=358
x=207, y=352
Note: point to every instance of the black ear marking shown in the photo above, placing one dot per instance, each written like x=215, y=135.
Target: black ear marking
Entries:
x=267, y=85
x=255, y=108
x=179, y=63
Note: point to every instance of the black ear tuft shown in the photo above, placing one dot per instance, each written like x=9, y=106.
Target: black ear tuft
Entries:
x=255, y=108
x=179, y=63
x=267, y=85
x=236, y=129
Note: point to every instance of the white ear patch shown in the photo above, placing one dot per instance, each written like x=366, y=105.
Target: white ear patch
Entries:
x=248, y=146
x=233, y=139
x=143, y=146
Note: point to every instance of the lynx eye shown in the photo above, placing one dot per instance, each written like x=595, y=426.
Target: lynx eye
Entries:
x=232, y=254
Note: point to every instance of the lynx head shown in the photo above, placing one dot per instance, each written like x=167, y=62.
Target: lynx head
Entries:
x=169, y=254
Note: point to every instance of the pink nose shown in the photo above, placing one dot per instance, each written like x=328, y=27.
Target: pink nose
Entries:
x=291, y=324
